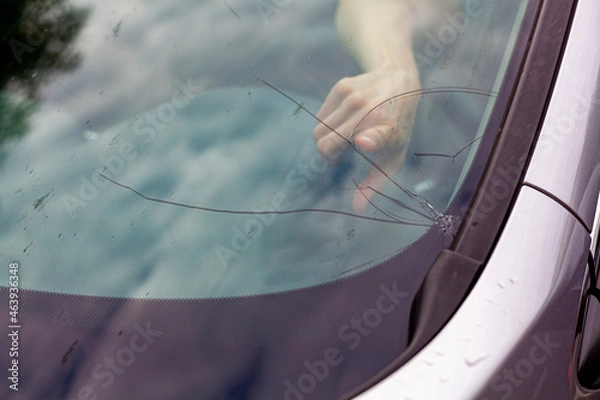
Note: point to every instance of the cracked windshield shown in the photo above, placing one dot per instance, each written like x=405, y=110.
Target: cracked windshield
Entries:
x=228, y=148
x=254, y=188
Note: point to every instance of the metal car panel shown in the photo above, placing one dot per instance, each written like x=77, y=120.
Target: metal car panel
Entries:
x=584, y=366
x=566, y=162
x=538, y=257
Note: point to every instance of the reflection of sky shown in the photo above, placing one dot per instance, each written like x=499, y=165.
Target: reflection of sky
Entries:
x=226, y=149
x=232, y=147
x=128, y=71
x=132, y=55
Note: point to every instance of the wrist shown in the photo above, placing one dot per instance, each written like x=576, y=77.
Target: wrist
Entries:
x=405, y=72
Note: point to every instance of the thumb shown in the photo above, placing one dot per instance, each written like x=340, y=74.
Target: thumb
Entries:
x=375, y=139
x=375, y=180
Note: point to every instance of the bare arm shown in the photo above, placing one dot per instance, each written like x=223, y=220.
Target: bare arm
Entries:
x=378, y=33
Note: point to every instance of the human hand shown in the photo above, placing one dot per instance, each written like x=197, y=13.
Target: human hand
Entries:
x=366, y=110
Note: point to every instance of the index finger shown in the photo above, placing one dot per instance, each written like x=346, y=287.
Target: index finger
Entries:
x=376, y=180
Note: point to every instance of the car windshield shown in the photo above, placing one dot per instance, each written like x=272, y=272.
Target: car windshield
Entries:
x=162, y=166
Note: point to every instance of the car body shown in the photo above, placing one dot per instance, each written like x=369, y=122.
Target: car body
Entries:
x=172, y=233
x=528, y=328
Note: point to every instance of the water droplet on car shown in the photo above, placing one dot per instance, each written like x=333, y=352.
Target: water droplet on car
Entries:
x=474, y=360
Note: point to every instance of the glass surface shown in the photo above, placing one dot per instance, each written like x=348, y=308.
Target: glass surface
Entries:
x=158, y=166
x=181, y=103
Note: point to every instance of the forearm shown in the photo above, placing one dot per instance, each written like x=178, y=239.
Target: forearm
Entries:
x=366, y=109
x=377, y=32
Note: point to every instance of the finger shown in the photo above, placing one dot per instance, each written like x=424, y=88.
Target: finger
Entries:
x=340, y=123
x=389, y=127
x=332, y=146
x=334, y=138
x=381, y=138
x=341, y=112
x=337, y=95
x=329, y=125
x=332, y=102
x=377, y=180
x=362, y=198
x=374, y=139
x=327, y=113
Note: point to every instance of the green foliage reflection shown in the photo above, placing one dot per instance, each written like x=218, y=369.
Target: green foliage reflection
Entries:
x=35, y=46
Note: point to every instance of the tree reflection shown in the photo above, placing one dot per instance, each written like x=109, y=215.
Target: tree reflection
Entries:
x=36, y=45
x=13, y=118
